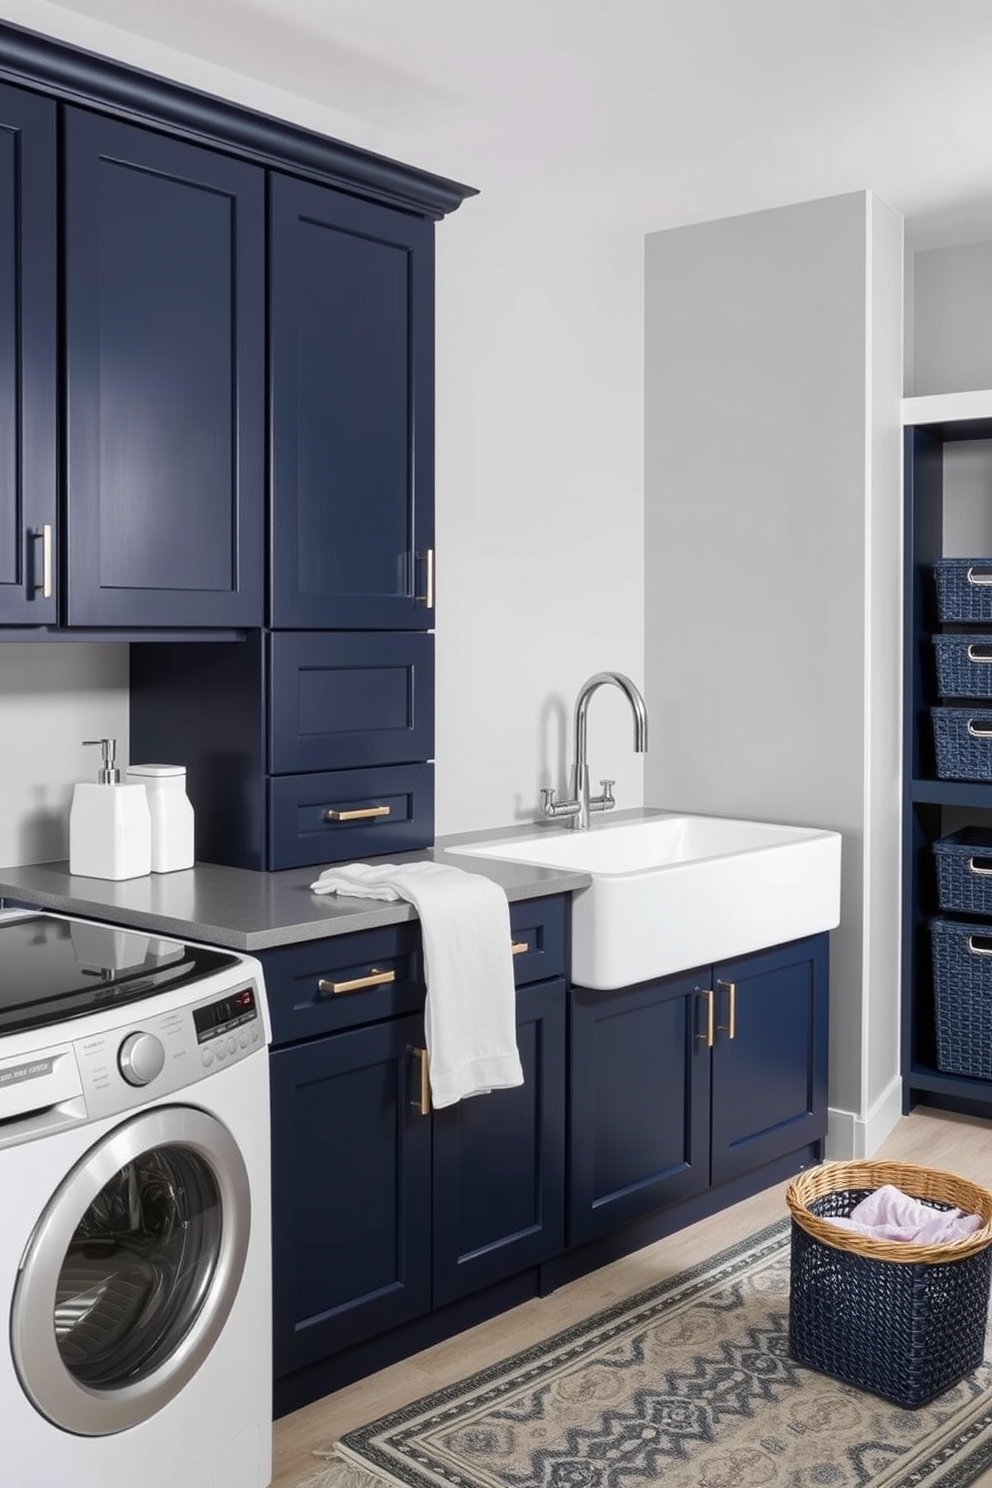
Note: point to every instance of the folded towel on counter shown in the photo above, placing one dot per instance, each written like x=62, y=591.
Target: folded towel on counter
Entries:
x=889, y=1214
x=470, y=1016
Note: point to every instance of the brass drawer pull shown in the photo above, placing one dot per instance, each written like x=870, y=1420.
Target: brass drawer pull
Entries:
x=423, y=1105
x=708, y=1035
x=518, y=947
x=375, y=978
x=361, y=814
x=730, y=1027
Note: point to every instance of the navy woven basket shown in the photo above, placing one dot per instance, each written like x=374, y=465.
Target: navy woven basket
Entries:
x=905, y=1329
x=964, y=665
x=964, y=588
x=964, y=870
x=962, y=984
x=963, y=740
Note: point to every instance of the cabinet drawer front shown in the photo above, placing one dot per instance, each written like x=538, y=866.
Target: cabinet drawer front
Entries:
x=324, y=986
x=538, y=930
x=348, y=814
x=339, y=701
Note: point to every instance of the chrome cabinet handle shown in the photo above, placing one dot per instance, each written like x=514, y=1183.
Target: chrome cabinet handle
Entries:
x=375, y=978
x=978, y=578
x=363, y=813
x=427, y=598
x=979, y=872
x=974, y=656
x=44, y=535
x=977, y=733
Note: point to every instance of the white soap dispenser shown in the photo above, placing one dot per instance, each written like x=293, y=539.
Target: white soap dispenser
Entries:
x=110, y=825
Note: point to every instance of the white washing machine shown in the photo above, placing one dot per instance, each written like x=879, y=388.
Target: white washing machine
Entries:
x=135, y=1244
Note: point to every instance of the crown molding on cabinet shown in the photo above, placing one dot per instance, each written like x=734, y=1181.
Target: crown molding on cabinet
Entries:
x=84, y=77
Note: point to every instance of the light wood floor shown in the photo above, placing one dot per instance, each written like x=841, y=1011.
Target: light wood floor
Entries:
x=937, y=1139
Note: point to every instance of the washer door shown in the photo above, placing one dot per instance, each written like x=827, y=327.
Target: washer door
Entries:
x=131, y=1271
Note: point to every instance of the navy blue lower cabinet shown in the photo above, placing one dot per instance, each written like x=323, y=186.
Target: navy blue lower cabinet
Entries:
x=769, y=1056
x=351, y=1172
x=499, y=1162
x=688, y=1082
x=639, y=1102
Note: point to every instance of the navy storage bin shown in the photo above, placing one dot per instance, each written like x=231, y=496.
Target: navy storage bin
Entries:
x=964, y=589
x=962, y=985
x=964, y=870
x=964, y=665
x=903, y=1321
x=963, y=739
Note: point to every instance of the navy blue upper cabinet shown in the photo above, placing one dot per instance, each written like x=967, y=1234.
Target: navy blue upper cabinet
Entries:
x=352, y=356
x=165, y=401
x=28, y=297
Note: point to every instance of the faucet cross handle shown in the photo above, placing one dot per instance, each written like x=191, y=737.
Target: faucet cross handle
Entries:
x=557, y=808
x=607, y=800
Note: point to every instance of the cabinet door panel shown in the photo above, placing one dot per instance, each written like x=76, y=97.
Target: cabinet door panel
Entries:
x=350, y=1184
x=639, y=1103
x=164, y=327
x=769, y=1081
x=347, y=699
x=28, y=355
x=499, y=1162
x=351, y=347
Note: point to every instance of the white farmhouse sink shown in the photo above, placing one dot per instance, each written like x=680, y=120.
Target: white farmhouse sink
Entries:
x=673, y=892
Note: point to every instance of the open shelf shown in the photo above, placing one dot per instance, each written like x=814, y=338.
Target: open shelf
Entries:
x=948, y=492
x=974, y=406
x=953, y=793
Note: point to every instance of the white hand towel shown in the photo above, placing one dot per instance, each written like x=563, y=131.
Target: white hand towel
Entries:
x=470, y=1016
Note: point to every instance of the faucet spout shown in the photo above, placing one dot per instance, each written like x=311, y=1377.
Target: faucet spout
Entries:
x=580, y=769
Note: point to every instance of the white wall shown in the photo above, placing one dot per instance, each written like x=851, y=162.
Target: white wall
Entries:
x=952, y=319
x=52, y=697
x=766, y=417
x=539, y=489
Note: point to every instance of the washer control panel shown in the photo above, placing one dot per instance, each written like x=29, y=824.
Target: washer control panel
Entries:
x=158, y=1053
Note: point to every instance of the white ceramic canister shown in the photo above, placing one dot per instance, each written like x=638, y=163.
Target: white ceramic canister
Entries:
x=171, y=813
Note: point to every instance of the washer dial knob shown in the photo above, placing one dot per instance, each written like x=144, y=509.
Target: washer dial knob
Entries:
x=141, y=1057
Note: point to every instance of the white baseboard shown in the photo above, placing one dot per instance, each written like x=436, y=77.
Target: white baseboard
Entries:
x=851, y=1137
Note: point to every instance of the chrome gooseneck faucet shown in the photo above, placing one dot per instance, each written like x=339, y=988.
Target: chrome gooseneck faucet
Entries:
x=576, y=811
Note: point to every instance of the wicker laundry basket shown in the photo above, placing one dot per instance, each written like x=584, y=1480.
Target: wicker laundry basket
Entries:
x=900, y=1320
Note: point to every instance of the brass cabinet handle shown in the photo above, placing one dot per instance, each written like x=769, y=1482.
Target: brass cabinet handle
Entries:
x=45, y=587
x=518, y=947
x=730, y=1027
x=427, y=598
x=707, y=992
x=375, y=978
x=361, y=814
x=423, y=1105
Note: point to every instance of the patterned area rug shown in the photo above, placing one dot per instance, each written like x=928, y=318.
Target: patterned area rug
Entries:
x=689, y=1385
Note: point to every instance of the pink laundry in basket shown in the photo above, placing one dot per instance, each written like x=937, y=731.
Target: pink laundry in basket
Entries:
x=889, y=1214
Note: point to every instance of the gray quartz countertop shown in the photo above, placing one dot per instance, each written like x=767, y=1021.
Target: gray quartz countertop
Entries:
x=249, y=911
